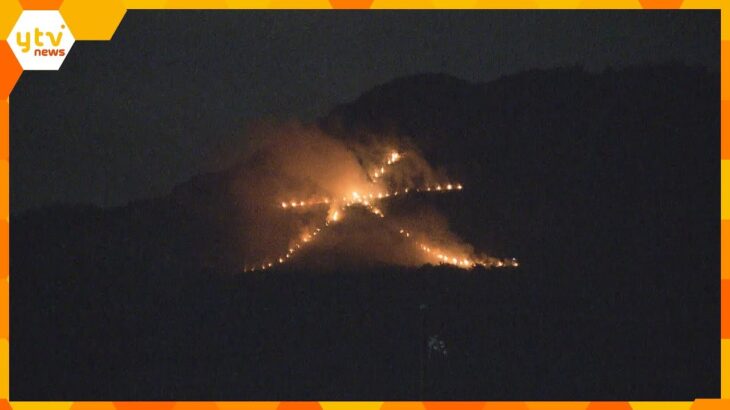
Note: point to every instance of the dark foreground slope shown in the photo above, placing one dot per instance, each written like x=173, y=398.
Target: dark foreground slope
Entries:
x=604, y=185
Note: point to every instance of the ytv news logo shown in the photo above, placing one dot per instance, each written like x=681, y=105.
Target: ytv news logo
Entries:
x=40, y=40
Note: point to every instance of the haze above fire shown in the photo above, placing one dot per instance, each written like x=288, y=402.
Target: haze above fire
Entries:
x=302, y=182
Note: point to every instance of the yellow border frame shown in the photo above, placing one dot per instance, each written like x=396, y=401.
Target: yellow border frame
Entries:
x=98, y=19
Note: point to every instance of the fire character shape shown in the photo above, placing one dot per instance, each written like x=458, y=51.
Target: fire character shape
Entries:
x=369, y=197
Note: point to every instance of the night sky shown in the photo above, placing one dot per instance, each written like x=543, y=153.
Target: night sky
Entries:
x=171, y=95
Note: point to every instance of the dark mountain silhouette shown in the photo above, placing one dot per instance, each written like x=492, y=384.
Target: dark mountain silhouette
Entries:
x=605, y=185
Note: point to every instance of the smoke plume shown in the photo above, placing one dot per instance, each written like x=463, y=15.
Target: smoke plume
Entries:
x=309, y=197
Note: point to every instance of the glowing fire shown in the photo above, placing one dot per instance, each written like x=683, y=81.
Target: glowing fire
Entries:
x=363, y=198
x=368, y=199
